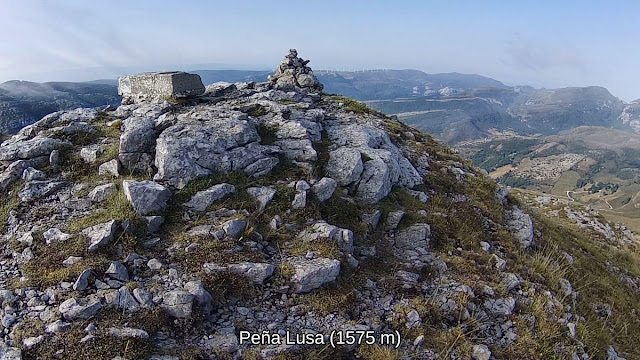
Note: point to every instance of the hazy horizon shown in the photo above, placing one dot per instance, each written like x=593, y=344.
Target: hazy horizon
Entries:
x=542, y=44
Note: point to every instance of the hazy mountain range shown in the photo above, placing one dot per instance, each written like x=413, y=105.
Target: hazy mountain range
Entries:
x=454, y=107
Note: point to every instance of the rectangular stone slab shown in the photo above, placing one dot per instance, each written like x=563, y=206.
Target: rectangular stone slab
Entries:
x=172, y=83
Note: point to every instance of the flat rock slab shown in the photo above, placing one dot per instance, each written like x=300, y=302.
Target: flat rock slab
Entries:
x=311, y=274
x=172, y=83
x=203, y=199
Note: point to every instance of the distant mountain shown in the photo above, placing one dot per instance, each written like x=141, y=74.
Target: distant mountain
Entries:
x=23, y=103
x=391, y=84
x=467, y=114
x=212, y=76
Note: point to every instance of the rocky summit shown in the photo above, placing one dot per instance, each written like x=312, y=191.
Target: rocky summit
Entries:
x=274, y=221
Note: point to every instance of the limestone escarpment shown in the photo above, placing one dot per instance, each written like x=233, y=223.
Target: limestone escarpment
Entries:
x=165, y=228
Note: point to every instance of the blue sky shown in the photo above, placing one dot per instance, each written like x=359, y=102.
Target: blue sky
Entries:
x=539, y=43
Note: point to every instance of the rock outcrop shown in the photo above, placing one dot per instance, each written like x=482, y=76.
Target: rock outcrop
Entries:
x=174, y=226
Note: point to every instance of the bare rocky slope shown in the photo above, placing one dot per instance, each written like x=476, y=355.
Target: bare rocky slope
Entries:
x=270, y=220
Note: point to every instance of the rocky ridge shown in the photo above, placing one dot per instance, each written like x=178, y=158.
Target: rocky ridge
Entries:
x=168, y=228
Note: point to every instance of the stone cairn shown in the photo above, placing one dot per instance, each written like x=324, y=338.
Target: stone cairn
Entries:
x=294, y=72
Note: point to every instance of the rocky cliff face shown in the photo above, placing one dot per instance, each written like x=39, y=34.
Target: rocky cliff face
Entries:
x=269, y=220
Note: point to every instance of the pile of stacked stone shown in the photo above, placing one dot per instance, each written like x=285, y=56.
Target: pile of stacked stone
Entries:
x=294, y=72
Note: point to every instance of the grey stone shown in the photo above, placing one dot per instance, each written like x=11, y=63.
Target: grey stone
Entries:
x=118, y=271
x=74, y=309
x=345, y=165
x=375, y=182
x=71, y=260
x=319, y=230
x=393, y=219
x=501, y=307
x=154, y=223
x=154, y=264
x=111, y=167
x=102, y=192
x=9, y=353
x=203, y=199
x=177, y=303
x=127, y=332
x=522, y=226
x=480, y=352
x=91, y=153
x=139, y=136
x=201, y=231
x=30, y=174
x=299, y=200
x=21, y=148
x=82, y=282
x=485, y=246
x=234, y=228
x=54, y=160
x=612, y=354
x=32, y=341
x=262, y=194
x=55, y=234
x=34, y=190
x=100, y=235
x=57, y=327
x=143, y=297
x=202, y=296
x=146, y=196
x=324, y=188
x=311, y=274
x=173, y=83
x=511, y=281
x=413, y=236
x=256, y=272
x=12, y=173
x=372, y=219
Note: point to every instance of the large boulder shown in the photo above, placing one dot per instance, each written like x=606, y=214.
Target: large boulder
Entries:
x=207, y=141
x=146, y=196
x=171, y=83
x=256, y=272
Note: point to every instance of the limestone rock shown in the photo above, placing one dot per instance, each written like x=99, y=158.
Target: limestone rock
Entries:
x=311, y=274
x=118, y=271
x=480, y=352
x=203, y=199
x=375, y=182
x=262, y=194
x=234, y=228
x=207, y=141
x=100, y=235
x=324, y=188
x=101, y=192
x=172, y=83
x=55, y=234
x=344, y=166
x=293, y=72
x=30, y=174
x=146, y=196
x=256, y=272
x=39, y=189
x=127, y=332
x=21, y=148
x=154, y=223
x=111, y=167
x=91, y=153
x=82, y=282
x=74, y=309
x=522, y=226
x=177, y=303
